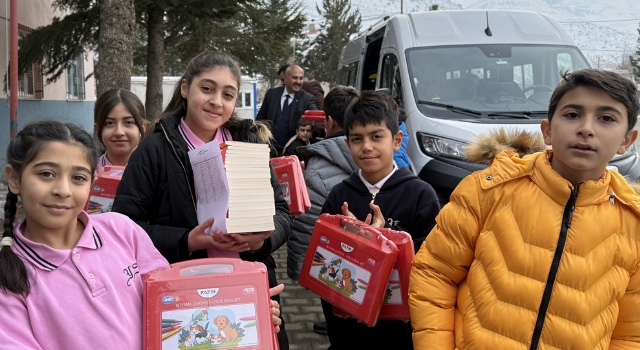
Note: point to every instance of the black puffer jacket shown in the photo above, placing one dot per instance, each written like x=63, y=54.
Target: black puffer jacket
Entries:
x=157, y=192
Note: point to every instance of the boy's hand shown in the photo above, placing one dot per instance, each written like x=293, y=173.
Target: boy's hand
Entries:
x=378, y=220
x=198, y=239
x=345, y=210
x=275, y=307
x=255, y=240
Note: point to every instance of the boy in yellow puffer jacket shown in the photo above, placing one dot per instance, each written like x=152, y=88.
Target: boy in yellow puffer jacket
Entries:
x=539, y=251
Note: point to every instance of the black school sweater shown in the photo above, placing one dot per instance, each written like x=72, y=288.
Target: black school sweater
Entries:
x=407, y=204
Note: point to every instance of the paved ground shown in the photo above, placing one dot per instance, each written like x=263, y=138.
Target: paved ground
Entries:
x=300, y=309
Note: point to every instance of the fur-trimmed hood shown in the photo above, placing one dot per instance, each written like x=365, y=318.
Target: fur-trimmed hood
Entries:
x=485, y=147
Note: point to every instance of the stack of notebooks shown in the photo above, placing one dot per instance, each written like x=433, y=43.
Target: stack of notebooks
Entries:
x=251, y=204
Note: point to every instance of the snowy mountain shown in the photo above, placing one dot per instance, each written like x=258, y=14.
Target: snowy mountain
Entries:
x=605, y=31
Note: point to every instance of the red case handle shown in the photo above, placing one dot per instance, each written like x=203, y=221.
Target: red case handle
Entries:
x=201, y=267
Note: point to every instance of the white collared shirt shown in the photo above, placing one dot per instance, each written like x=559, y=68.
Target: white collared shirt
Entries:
x=374, y=189
x=285, y=93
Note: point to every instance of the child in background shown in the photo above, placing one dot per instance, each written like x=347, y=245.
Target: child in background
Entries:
x=400, y=156
x=302, y=138
x=157, y=187
x=120, y=125
x=542, y=250
x=383, y=195
x=328, y=162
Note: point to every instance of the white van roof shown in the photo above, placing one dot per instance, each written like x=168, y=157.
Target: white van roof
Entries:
x=464, y=27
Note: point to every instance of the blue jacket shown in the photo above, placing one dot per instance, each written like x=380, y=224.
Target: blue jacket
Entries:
x=400, y=156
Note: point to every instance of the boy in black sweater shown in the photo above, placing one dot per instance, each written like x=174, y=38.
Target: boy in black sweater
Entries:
x=382, y=195
x=304, y=137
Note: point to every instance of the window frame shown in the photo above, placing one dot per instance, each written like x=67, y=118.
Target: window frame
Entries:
x=76, y=90
x=31, y=83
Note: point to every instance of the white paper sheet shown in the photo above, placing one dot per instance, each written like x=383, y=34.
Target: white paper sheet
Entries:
x=212, y=187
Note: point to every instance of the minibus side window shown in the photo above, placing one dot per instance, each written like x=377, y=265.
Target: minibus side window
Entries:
x=391, y=77
x=347, y=74
x=342, y=74
x=353, y=74
x=564, y=62
x=523, y=76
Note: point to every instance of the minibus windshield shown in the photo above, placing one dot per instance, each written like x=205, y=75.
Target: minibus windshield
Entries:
x=489, y=78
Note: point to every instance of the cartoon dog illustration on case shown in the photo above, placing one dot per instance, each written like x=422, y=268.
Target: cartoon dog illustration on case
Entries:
x=346, y=280
x=228, y=334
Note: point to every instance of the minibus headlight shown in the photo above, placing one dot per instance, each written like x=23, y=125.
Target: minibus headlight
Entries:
x=436, y=146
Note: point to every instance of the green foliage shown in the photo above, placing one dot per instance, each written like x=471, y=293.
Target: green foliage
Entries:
x=255, y=31
x=258, y=35
x=238, y=329
x=321, y=61
x=57, y=44
x=635, y=60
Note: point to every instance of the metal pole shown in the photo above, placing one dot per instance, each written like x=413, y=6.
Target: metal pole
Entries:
x=401, y=6
x=13, y=70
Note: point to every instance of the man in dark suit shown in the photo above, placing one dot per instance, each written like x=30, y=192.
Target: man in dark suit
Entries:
x=284, y=105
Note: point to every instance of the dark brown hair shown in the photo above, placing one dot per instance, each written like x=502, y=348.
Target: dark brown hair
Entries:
x=618, y=87
x=202, y=62
x=337, y=101
x=302, y=122
x=21, y=151
x=109, y=99
x=373, y=107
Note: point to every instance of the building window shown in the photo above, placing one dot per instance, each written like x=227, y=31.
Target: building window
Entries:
x=75, y=79
x=30, y=84
x=244, y=100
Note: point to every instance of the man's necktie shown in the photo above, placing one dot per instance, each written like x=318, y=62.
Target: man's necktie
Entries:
x=286, y=101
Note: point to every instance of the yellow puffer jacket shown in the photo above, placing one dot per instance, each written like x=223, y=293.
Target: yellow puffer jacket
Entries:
x=520, y=259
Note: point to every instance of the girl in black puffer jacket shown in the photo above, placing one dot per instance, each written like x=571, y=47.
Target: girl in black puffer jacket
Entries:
x=157, y=188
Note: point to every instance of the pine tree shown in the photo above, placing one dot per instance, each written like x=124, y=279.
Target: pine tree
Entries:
x=170, y=22
x=55, y=45
x=321, y=61
x=259, y=36
x=635, y=59
x=66, y=38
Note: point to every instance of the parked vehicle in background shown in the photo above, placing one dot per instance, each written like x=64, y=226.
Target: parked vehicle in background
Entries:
x=462, y=73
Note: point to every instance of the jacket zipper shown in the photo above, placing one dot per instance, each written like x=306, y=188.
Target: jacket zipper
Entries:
x=567, y=216
x=373, y=198
x=181, y=164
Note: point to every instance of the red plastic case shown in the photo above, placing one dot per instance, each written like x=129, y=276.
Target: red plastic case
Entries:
x=349, y=265
x=209, y=304
x=104, y=190
x=395, y=305
x=315, y=117
x=289, y=172
x=396, y=301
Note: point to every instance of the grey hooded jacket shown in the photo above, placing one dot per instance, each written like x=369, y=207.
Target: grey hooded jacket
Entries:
x=328, y=163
